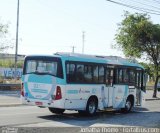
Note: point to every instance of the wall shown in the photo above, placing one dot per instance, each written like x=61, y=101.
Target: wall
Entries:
x=10, y=72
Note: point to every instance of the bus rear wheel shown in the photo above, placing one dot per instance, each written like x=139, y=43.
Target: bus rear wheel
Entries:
x=92, y=105
x=56, y=110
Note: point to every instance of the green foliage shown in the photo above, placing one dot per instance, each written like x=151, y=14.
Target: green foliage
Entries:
x=3, y=29
x=149, y=68
x=10, y=63
x=138, y=37
x=5, y=42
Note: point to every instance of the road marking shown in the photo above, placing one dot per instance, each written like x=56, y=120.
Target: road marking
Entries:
x=22, y=107
x=25, y=113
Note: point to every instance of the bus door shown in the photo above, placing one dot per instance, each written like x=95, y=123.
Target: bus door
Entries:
x=109, y=85
x=138, y=86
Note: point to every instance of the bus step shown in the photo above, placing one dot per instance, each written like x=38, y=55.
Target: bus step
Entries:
x=108, y=108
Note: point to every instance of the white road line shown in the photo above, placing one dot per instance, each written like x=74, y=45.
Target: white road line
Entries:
x=19, y=108
x=24, y=113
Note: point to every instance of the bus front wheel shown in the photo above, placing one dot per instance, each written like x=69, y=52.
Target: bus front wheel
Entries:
x=56, y=110
x=128, y=106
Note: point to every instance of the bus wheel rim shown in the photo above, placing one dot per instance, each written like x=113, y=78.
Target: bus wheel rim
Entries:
x=128, y=105
x=92, y=107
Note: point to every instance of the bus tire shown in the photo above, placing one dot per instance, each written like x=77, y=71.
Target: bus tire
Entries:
x=92, y=105
x=128, y=105
x=56, y=110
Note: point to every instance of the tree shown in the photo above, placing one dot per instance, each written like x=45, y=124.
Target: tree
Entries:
x=148, y=69
x=4, y=42
x=138, y=37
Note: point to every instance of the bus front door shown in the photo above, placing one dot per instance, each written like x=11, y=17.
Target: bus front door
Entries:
x=109, y=86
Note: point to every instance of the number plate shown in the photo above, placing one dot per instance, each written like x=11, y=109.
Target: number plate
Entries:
x=39, y=103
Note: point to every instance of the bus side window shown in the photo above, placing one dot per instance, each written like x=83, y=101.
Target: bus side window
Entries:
x=95, y=74
x=132, y=76
x=71, y=72
x=88, y=74
x=120, y=75
x=109, y=76
x=101, y=74
x=80, y=73
x=125, y=76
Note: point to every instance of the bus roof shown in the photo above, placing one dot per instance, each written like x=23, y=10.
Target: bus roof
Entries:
x=115, y=60
x=112, y=60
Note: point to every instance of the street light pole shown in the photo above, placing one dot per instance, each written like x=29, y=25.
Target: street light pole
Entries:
x=16, y=49
x=83, y=40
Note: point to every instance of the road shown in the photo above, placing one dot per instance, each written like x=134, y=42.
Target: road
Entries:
x=31, y=116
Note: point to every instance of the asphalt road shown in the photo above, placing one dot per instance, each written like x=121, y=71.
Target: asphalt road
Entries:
x=31, y=116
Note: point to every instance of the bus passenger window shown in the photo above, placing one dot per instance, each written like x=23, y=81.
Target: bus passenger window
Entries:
x=109, y=77
x=71, y=72
x=80, y=73
x=125, y=76
x=120, y=75
x=101, y=74
x=132, y=76
x=88, y=74
x=95, y=74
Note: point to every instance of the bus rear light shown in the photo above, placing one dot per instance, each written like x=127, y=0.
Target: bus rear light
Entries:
x=22, y=89
x=58, y=95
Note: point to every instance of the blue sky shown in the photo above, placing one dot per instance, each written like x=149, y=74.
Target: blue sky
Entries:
x=49, y=26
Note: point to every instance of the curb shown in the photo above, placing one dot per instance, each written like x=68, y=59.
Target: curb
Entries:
x=150, y=99
x=10, y=105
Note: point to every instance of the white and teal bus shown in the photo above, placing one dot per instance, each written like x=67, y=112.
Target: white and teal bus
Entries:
x=68, y=81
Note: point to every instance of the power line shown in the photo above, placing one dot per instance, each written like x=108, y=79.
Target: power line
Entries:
x=150, y=11
x=136, y=7
x=144, y=4
x=153, y=2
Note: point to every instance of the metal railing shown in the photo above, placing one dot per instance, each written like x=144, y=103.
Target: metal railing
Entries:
x=10, y=86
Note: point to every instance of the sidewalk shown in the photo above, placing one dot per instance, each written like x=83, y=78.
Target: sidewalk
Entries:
x=149, y=94
x=12, y=98
x=9, y=101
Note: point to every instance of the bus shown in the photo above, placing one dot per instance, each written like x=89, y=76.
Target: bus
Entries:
x=85, y=83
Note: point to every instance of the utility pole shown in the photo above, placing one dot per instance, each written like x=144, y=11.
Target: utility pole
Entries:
x=73, y=47
x=16, y=50
x=83, y=40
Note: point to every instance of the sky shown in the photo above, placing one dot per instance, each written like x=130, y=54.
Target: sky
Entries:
x=50, y=26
